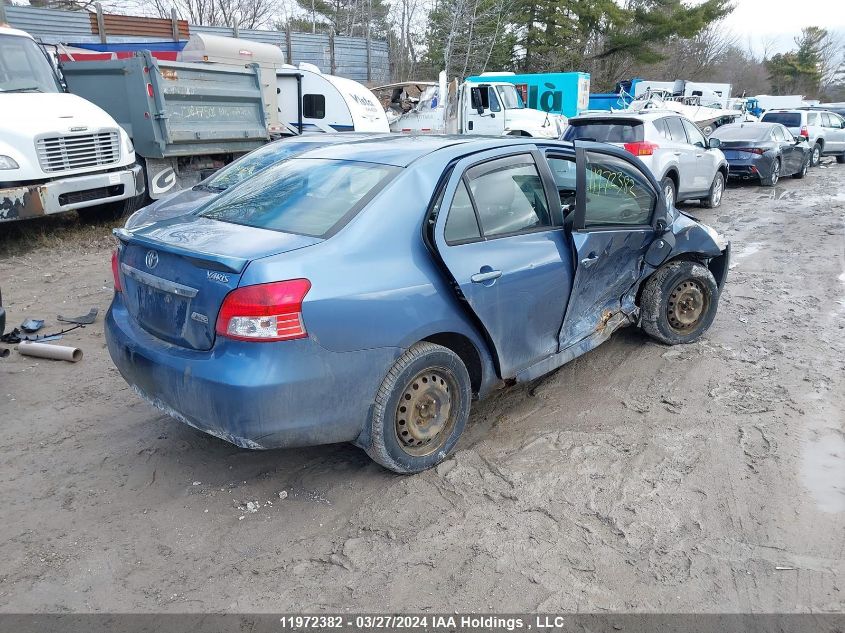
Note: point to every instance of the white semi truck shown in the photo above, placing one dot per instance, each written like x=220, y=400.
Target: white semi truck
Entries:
x=58, y=152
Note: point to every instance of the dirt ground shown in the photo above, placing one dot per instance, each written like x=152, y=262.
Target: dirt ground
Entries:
x=706, y=477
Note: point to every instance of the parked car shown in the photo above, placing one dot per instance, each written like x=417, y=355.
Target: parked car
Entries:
x=365, y=292
x=764, y=152
x=686, y=164
x=824, y=130
x=188, y=200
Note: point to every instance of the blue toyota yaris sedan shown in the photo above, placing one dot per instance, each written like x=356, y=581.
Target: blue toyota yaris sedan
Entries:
x=366, y=292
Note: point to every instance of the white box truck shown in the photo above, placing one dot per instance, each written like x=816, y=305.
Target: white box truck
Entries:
x=58, y=152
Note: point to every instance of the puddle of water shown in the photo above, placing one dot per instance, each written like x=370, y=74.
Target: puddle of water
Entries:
x=823, y=459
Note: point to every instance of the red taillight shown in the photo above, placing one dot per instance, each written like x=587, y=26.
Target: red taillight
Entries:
x=750, y=150
x=115, y=271
x=150, y=90
x=264, y=312
x=805, y=132
x=641, y=148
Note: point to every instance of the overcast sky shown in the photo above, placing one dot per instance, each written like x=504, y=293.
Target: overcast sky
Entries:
x=775, y=23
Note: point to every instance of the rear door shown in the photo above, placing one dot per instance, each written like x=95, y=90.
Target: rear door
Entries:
x=499, y=233
x=685, y=154
x=706, y=161
x=792, y=155
x=834, y=133
x=612, y=229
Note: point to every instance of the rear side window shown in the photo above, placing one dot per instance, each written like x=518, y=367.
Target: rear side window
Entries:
x=789, y=119
x=314, y=106
x=812, y=118
x=605, y=131
x=617, y=193
x=461, y=224
x=300, y=195
x=676, y=129
x=509, y=198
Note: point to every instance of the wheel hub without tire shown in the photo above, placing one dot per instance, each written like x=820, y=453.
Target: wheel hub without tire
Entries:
x=687, y=303
x=424, y=414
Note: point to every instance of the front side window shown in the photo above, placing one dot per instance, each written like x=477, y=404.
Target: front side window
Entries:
x=509, y=196
x=23, y=67
x=300, y=195
x=694, y=134
x=511, y=98
x=617, y=193
x=494, y=101
x=314, y=106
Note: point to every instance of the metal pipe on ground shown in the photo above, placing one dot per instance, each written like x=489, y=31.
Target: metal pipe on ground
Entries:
x=53, y=352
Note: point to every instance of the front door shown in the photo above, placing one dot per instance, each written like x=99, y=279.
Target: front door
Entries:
x=484, y=112
x=611, y=232
x=499, y=234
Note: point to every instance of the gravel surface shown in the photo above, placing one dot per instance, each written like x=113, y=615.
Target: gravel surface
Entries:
x=704, y=477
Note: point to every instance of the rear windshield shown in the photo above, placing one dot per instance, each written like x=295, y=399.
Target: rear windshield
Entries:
x=742, y=132
x=255, y=162
x=604, y=131
x=789, y=119
x=304, y=196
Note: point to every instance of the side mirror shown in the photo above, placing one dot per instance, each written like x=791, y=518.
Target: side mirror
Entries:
x=475, y=99
x=799, y=139
x=714, y=143
x=480, y=109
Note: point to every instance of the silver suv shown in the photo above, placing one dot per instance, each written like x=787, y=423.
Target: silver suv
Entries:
x=686, y=164
x=824, y=129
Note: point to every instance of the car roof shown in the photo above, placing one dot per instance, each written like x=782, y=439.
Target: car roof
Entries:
x=644, y=115
x=402, y=150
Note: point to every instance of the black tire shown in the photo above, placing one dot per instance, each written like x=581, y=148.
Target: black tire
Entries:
x=670, y=192
x=413, y=440
x=816, y=155
x=840, y=158
x=717, y=188
x=675, y=284
x=772, y=179
x=805, y=166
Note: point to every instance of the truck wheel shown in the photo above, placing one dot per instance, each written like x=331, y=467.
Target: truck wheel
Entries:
x=717, y=188
x=678, y=303
x=420, y=409
x=840, y=158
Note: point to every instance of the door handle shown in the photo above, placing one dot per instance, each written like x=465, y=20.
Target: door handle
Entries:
x=490, y=275
x=589, y=260
x=677, y=153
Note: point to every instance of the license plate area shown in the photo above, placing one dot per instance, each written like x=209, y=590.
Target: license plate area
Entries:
x=162, y=312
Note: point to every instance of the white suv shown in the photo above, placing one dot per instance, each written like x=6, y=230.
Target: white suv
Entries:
x=824, y=130
x=686, y=164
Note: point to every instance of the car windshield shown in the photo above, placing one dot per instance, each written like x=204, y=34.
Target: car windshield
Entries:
x=789, y=119
x=742, y=132
x=255, y=162
x=23, y=67
x=300, y=195
x=510, y=98
x=604, y=131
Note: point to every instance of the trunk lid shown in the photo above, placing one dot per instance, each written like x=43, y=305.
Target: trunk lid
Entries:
x=176, y=273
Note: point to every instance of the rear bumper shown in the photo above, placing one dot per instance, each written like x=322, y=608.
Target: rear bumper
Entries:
x=254, y=395
x=66, y=194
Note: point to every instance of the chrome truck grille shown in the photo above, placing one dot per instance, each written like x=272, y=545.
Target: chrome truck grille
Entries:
x=62, y=153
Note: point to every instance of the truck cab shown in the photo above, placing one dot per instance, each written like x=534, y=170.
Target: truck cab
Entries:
x=58, y=152
x=496, y=109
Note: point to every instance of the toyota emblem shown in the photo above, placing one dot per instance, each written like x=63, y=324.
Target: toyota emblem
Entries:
x=152, y=259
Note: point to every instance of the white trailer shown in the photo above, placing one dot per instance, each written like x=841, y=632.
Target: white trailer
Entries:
x=58, y=152
x=309, y=101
